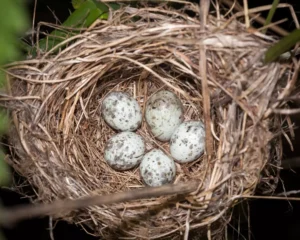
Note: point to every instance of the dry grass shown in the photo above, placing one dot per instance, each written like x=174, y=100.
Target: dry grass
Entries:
x=55, y=101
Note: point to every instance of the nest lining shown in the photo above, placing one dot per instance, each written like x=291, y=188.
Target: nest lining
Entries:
x=59, y=136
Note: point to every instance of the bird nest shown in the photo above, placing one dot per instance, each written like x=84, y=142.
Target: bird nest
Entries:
x=59, y=136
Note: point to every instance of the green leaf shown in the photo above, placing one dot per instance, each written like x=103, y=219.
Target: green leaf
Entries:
x=8, y=51
x=85, y=15
x=101, y=6
x=2, y=79
x=284, y=45
x=13, y=16
x=4, y=122
x=13, y=20
x=92, y=17
x=271, y=14
x=77, y=3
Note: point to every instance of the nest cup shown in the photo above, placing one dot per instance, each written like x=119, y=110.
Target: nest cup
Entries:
x=59, y=136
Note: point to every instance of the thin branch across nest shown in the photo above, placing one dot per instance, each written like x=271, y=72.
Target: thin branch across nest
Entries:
x=59, y=136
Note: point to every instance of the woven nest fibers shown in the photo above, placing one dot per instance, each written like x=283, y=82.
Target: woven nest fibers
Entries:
x=59, y=135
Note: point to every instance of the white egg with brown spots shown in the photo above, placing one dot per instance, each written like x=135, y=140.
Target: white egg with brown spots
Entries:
x=188, y=142
x=124, y=151
x=157, y=168
x=164, y=113
x=121, y=111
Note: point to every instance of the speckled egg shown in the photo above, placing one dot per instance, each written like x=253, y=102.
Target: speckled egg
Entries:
x=188, y=141
x=157, y=168
x=121, y=111
x=124, y=151
x=164, y=113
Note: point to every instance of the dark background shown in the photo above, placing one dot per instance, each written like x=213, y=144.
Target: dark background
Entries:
x=269, y=219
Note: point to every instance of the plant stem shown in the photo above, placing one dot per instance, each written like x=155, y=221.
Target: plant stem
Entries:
x=271, y=14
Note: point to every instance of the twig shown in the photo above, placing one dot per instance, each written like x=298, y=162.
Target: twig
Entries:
x=265, y=27
x=249, y=220
x=204, y=9
x=247, y=21
x=266, y=198
x=258, y=19
x=187, y=225
x=14, y=214
x=286, y=111
x=293, y=192
x=289, y=87
x=209, y=232
x=51, y=228
x=33, y=22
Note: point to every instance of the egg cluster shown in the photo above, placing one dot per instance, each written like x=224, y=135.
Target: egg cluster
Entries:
x=164, y=117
